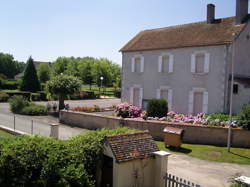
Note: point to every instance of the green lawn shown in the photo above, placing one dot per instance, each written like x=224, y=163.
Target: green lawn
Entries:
x=108, y=91
x=5, y=134
x=212, y=153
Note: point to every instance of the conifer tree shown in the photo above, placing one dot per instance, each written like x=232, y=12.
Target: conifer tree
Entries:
x=30, y=80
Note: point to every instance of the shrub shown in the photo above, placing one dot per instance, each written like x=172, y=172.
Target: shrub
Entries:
x=34, y=110
x=17, y=103
x=35, y=96
x=244, y=117
x=4, y=97
x=117, y=94
x=157, y=108
x=41, y=161
x=126, y=110
x=9, y=84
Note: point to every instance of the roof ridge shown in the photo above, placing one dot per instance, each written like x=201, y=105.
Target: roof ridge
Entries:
x=185, y=24
x=126, y=134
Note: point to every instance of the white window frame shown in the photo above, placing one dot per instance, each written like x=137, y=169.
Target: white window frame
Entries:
x=206, y=62
x=170, y=95
x=133, y=63
x=191, y=100
x=132, y=94
x=170, y=65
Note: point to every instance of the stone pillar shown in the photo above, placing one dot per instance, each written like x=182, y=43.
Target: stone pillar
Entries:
x=161, y=163
x=54, y=131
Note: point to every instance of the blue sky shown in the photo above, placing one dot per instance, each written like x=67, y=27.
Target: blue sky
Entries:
x=47, y=29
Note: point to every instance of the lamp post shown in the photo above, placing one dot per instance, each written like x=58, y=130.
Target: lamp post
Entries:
x=101, y=81
x=231, y=94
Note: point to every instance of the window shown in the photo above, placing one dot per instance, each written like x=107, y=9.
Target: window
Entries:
x=137, y=64
x=200, y=62
x=166, y=63
x=198, y=101
x=235, y=89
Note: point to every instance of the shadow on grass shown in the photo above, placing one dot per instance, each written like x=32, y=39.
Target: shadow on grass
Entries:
x=179, y=149
x=242, y=156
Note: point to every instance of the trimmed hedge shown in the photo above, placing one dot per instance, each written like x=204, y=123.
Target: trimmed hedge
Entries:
x=34, y=110
x=157, y=108
x=41, y=161
x=9, y=84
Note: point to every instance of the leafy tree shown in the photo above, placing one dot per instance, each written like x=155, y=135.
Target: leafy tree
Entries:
x=72, y=67
x=86, y=74
x=44, y=72
x=60, y=65
x=30, y=80
x=9, y=67
x=63, y=85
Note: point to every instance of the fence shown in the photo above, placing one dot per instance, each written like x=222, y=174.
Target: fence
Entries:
x=171, y=180
x=25, y=124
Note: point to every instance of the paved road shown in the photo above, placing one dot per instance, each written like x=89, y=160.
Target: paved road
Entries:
x=41, y=124
x=205, y=173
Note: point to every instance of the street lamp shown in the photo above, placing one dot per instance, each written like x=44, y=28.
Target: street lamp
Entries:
x=231, y=93
x=101, y=80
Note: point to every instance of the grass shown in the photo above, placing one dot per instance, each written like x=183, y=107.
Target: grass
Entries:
x=211, y=153
x=107, y=91
x=5, y=134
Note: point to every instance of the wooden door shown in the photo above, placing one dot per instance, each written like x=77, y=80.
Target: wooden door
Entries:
x=136, y=97
x=198, y=102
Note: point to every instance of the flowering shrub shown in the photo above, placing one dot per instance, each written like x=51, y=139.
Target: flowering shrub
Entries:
x=126, y=110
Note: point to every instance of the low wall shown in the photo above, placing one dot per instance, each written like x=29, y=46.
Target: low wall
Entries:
x=196, y=134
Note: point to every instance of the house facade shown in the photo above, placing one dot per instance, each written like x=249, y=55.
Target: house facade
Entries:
x=190, y=65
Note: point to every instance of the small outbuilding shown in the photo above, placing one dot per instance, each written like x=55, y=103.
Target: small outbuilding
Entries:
x=133, y=160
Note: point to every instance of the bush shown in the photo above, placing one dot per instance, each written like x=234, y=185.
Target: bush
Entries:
x=35, y=96
x=117, y=94
x=41, y=161
x=17, y=103
x=9, y=84
x=34, y=110
x=244, y=117
x=4, y=97
x=126, y=110
x=157, y=108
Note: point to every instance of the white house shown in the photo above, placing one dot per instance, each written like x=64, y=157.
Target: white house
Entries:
x=190, y=65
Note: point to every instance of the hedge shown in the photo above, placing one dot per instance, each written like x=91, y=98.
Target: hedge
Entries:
x=41, y=161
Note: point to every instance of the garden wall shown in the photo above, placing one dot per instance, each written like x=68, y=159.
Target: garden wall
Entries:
x=196, y=134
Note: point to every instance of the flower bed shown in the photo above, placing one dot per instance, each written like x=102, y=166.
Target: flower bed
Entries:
x=94, y=108
x=126, y=110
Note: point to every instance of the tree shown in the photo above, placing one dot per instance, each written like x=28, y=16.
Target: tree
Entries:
x=60, y=65
x=30, y=80
x=86, y=74
x=63, y=85
x=44, y=72
x=9, y=67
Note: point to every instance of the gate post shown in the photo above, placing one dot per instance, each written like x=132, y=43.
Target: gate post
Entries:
x=54, y=131
x=161, y=163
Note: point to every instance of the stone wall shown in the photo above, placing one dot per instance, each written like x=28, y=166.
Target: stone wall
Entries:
x=196, y=134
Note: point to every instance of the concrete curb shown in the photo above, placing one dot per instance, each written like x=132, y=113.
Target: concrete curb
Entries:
x=12, y=131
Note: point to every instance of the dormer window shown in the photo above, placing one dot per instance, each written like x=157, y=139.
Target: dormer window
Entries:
x=137, y=64
x=200, y=62
x=166, y=63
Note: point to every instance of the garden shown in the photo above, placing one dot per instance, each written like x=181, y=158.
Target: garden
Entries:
x=157, y=110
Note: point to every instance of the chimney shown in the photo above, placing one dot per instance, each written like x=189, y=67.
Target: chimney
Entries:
x=210, y=13
x=241, y=11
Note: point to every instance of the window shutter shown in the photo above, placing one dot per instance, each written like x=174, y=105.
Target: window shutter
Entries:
x=131, y=94
x=141, y=97
x=205, y=102
x=171, y=64
x=207, y=61
x=170, y=99
x=160, y=64
x=193, y=63
x=158, y=93
x=142, y=64
x=133, y=65
x=191, y=102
